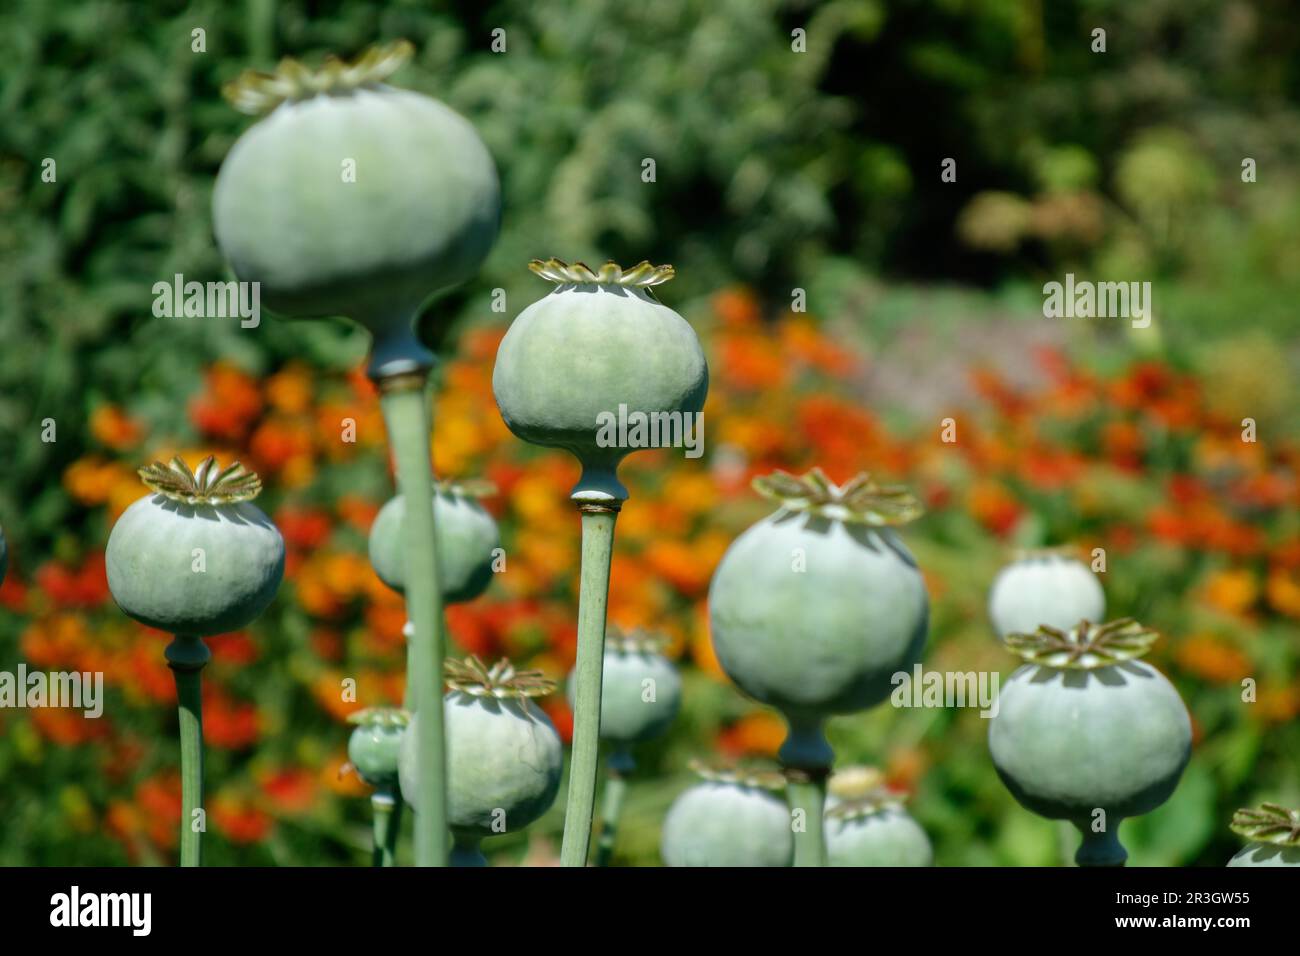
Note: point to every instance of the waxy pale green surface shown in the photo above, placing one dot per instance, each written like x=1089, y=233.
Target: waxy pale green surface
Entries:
x=1068, y=742
x=626, y=715
x=889, y=837
x=727, y=824
x=154, y=552
x=373, y=749
x=466, y=535
x=502, y=755
x=1053, y=590
x=582, y=351
x=825, y=640
x=419, y=218
x=1266, y=854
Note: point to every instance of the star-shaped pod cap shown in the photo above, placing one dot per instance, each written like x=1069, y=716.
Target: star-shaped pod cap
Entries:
x=256, y=92
x=1271, y=823
x=860, y=501
x=205, y=485
x=862, y=793
x=501, y=680
x=1085, y=646
x=762, y=778
x=643, y=275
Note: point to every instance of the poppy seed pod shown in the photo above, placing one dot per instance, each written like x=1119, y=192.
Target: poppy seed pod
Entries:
x=504, y=756
x=467, y=539
x=733, y=818
x=815, y=608
x=1087, y=732
x=351, y=197
x=1051, y=587
x=374, y=743
x=1274, y=835
x=195, y=556
x=599, y=347
x=641, y=691
x=866, y=824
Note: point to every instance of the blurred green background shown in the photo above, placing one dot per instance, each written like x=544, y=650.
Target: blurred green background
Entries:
x=776, y=171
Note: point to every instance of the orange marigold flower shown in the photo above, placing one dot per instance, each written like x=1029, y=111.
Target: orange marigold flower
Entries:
x=112, y=427
x=1231, y=591
x=1283, y=591
x=737, y=307
x=357, y=511
x=228, y=723
x=752, y=362
x=994, y=507
x=1212, y=659
x=290, y=790
x=290, y=389
x=754, y=735
x=229, y=405
x=305, y=528
x=239, y=818
x=67, y=727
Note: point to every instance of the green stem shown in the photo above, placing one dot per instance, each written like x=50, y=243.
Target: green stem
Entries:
x=1101, y=849
x=611, y=809
x=593, y=593
x=466, y=850
x=403, y=401
x=408, y=698
x=261, y=32
x=387, y=807
x=808, y=793
x=186, y=655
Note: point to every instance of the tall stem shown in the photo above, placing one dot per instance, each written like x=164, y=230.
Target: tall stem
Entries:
x=593, y=593
x=403, y=401
x=186, y=655
x=807, y=793
x=808, y=756
x=1101, y=849
x=387, y=807
x=612, y=806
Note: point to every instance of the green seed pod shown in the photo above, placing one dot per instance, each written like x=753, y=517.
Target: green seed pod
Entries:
x=641, y=690
x=467, y=537
x=504, y=756
x=1049, y=587
x=354, y=198
x=598, y=346
x=373, y=746
x=816, y=607
x=733, y=818
x=866, y=824
x=195, y=557
x=1085, y=726
x=1274, y=832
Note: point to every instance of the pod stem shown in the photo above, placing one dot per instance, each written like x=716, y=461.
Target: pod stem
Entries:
x=807, y=756
x=466, y=850
x=186, y=656
x=593, y=594
x=620, y=764
x=387, y=807
x=807, y=793
x=1101, y=849
x=402, y=398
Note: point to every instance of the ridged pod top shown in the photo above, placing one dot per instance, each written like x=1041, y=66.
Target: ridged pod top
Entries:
x=635, y=641
x=860, y=501
x=257, y=92
x=643, y=275
x=1271, y=823
x=380, y=717
x=862, y=793
x=753, y=777
x=471, y=676
x=465, y=487
x=206, y=485
x=1085, y=646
